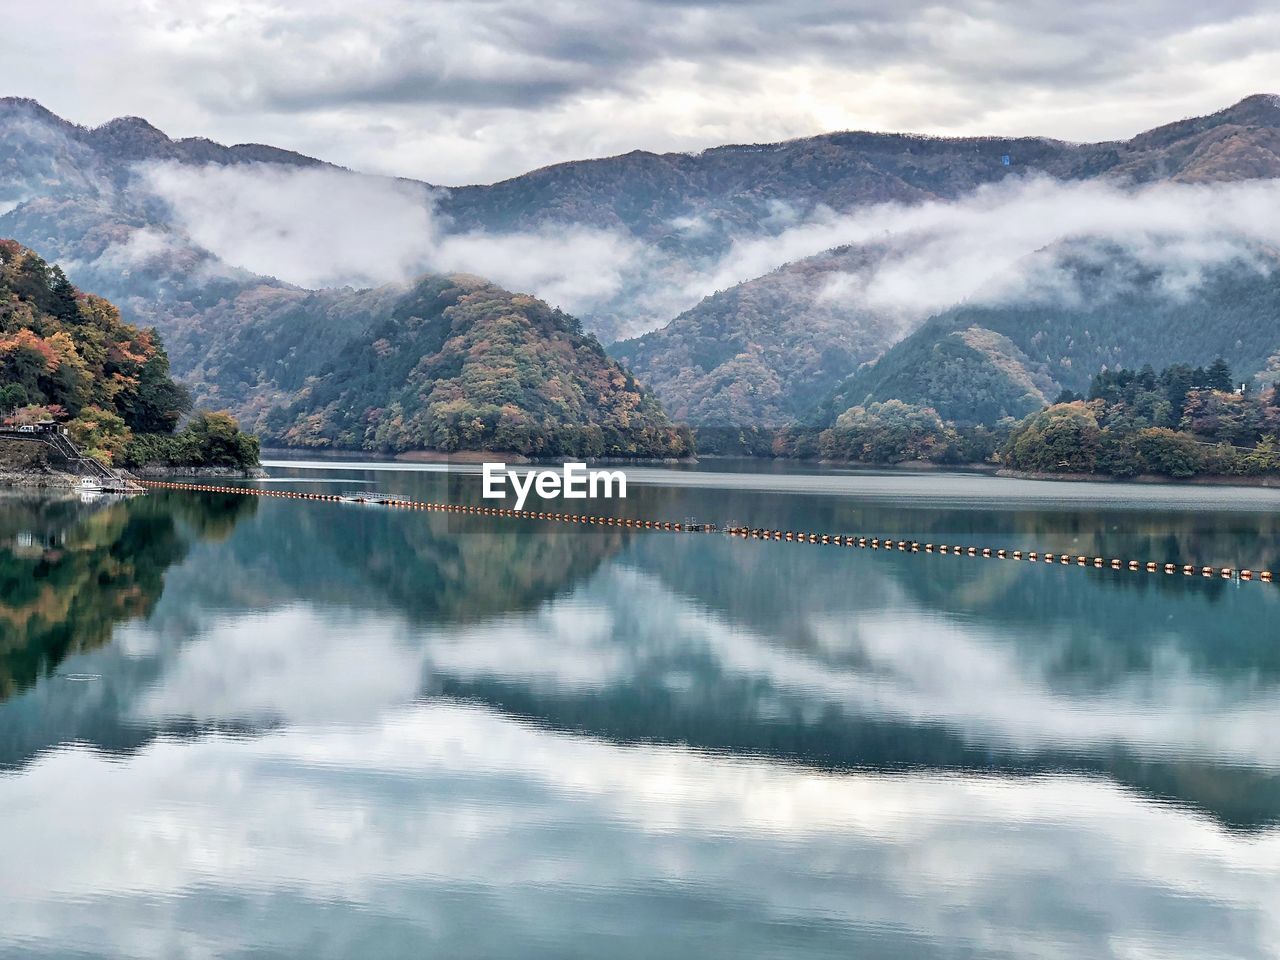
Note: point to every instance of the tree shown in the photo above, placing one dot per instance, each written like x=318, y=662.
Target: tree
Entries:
x=889, y=432
x=1168, y=452
x=158, y=402
x=63, y=301
x=1062, y=439
x=100, y=433
x=220, y=442
x=1218, y=376
x=12, y=396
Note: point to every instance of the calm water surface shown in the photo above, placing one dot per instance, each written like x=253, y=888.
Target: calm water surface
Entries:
x=233, y=727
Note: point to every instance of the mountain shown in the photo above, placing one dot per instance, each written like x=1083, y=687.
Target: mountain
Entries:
x=980, y=362
x=764, y=352
x=456, y=363
x=42, y=154
x=758, y=353
x=735, y=190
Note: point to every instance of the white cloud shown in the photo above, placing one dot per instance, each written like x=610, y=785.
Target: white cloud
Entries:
x=476, y=831
x=458, y=92
x=878, y=657
x=325, y=227
x=312, y=227
x=941, y=253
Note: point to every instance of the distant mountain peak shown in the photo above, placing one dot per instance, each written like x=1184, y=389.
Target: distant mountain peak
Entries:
x=17, y=106
x=131, y=139
x=1261, y=109
x=132, y=125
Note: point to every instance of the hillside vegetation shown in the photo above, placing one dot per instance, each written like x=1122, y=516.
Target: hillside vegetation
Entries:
x=765, y=352
x=1179, y=423
x=67, y=356
x=979, y=363
x=459, y=364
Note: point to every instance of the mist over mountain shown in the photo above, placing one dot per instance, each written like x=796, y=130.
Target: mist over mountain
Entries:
x=709, y=199
x=764, y=352
x=785, y=266
x=980, y=362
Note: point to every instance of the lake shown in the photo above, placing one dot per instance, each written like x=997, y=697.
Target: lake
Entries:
x=247, y=727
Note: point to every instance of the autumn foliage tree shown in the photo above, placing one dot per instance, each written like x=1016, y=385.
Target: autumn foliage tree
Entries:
x=463, y=365
x=67, y=355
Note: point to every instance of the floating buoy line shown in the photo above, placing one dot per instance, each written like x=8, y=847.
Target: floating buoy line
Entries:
x=747, y=533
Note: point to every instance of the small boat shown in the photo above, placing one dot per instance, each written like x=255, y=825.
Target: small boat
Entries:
x=372, y=496
x=90, y=485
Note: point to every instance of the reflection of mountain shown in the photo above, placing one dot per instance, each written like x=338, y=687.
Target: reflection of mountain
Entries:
x=857, y=663
x=831, y=658
x=429, y=568
x=363, y=572
x=69, y=574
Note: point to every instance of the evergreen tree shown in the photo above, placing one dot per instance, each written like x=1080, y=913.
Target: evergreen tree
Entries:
x=1218, y=376
x=62, y=297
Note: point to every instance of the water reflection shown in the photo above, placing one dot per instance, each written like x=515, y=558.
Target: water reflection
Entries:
x=71, y=570
x=460, y=833
x=367, y=731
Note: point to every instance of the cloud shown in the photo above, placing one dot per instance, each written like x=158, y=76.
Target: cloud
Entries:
x=875, y=657
x=457, y=92
x=325, y=227
x=934, y=255
x=319, y=227
x=467, y=831
x=312, y=227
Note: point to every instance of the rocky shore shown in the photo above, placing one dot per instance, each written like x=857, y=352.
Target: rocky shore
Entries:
x=28, y=465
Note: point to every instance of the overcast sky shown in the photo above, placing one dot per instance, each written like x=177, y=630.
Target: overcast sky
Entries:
x=477, y=90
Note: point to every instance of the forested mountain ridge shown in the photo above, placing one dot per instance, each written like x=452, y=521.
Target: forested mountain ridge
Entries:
x=643, y=192
x=759, y=353
x=737, y=187
x=764, y=352
x=43, y=154
x=979, y=362
x=456, y=363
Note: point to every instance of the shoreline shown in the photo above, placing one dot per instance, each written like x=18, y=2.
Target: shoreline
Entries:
x=461, y=456
x=1147, y=479
x=226, y=473
x=907, y=467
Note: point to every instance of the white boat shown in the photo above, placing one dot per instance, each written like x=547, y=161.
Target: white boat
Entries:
x=90, y=485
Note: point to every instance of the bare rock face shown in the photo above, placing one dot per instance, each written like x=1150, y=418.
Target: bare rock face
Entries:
x=23, y=463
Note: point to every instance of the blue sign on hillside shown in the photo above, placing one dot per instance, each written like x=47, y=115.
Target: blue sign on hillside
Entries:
x=1006, y=159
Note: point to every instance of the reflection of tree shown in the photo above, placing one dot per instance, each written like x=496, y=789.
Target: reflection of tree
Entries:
x=69, y=572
